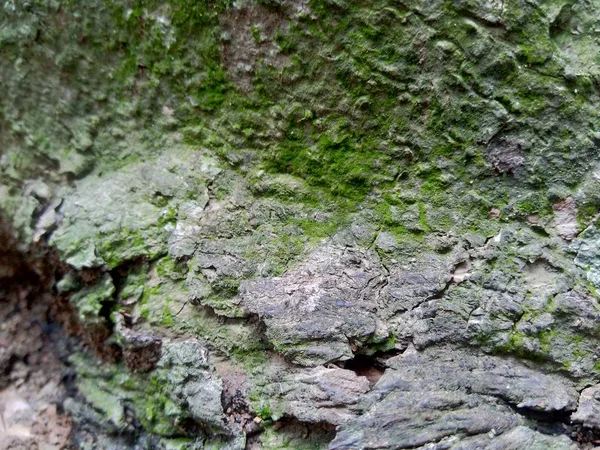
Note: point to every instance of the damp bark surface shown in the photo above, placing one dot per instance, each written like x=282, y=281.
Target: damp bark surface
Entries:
x=307, y=224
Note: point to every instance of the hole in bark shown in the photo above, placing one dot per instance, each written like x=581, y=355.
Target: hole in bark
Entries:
x=370, y=366
x=366, y=366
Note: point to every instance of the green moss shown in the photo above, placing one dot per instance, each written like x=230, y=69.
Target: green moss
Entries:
x=545, y=338
x=274, y=437
x=167, y=316
x=122, y=246
x=586, y=214
x=264, y=411
x=111, y=387
x=333, y=162
x=178, y=443
x=134, y=284
x=251, y=357
x=156, y=410
x=227, y=285
x=224, y=304
x=169, y=217
x=379, y=345
x=143, y=304
x=315, y=230
x=90, y=301
x=579, y=353
x=534, y=204
x=589, y=287
x=423, y=217
x=255, y=30
x=387, y=214
x=375, y=97
x=167, y=267
x=515, y=344
x=432, y=184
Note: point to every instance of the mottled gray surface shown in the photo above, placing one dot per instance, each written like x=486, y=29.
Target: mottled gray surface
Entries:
x=301, y=224
x=588, y=408
x=449, y=395
x=316, y=395
x=338, y=300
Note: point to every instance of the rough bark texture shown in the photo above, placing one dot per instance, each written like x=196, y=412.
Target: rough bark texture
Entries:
x=300, y=224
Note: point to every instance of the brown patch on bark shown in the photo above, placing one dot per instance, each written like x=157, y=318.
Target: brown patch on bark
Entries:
x=31, y=346
x=506, y=154
x=565, y=216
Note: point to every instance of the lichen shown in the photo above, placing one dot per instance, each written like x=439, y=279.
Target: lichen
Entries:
x=423, y=121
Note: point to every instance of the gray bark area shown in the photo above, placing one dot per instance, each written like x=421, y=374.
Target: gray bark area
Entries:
x=299, y=224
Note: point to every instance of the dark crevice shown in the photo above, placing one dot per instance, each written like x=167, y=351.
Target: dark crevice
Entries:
x=489, y=241
x=556, y=423
x=120, y=273
x=101, y=337
x=540, y=231
x=317, y=435
x=561, y=22
x=365, y=366
x=439, y=294
x=371, y=366
x=46, y=326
